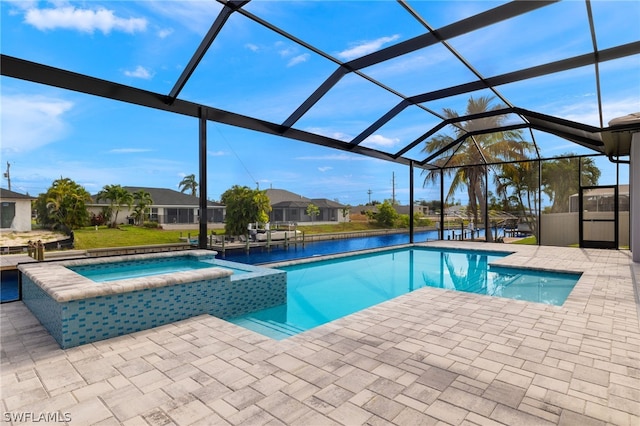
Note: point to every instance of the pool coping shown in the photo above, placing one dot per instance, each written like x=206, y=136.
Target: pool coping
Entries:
x=319, y=258
x=512, y=259
x=64, y=285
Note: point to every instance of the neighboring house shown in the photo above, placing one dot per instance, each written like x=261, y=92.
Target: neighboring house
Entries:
x=15, y=211
x=169, y=207
x=601, y=200
x=289, y=207
x=417, y=208
x=404, y=209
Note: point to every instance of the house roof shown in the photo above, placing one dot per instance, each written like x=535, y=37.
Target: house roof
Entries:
x=277, y=196
x=164, y=197
x=622, y=190
x=6, y=194
x=282, y=198
x=326, y=203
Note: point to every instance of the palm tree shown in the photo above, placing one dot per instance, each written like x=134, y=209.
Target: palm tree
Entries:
x=466, y=160
x=143, y=200
x=189, y=183
x=522, y=179
x=118, y=197
x=560, y=179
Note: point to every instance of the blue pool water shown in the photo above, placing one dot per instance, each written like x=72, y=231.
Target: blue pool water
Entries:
x=9, y=286
x=323, y=291
x=103, y=272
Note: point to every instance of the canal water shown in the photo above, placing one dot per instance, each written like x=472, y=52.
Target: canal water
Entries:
x=319, y=248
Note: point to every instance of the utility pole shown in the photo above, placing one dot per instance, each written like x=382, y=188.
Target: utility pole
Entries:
x=393, y=188
x=8, y=176
x=369, y=193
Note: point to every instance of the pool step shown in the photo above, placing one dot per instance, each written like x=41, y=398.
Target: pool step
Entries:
x=269, y=328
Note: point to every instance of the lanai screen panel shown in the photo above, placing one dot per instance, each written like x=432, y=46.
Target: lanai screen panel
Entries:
x=370, y=77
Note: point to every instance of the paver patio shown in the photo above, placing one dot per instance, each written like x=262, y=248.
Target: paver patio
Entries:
x=429, y=357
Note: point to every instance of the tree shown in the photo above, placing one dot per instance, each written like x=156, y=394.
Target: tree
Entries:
x=118, y=198
x=346, y=210
x=189, y=183
x=466, y=159
x=244, y=206
x=560, y=179
x=63, y=206
x=313, y=211
x=387, y=215
x=522, y=180
x=143, y=200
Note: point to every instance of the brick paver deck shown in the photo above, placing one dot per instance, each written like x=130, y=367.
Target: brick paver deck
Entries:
x=429, y=357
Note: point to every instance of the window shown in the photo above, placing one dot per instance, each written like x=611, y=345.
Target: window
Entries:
x=7, y=214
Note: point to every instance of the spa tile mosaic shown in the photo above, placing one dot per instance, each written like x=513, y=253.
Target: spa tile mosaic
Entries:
x=86, y=320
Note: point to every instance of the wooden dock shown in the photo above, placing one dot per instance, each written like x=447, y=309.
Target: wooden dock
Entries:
x=223, y=246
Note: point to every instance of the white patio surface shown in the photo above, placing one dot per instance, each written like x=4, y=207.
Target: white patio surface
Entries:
x=429, y=357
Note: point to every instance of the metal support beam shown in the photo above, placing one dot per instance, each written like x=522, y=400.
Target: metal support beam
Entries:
x=202, y=217
x=539, y=211
x=442, y=206
x=56, y=77
x=488, y=233
x=465, y=26
x=411, y=229
x=217, y=25
x=612, y=53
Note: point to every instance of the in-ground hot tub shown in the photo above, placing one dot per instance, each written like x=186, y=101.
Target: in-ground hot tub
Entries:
x=77, y=310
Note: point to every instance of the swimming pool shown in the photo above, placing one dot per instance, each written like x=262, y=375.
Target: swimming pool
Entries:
x=322, y=291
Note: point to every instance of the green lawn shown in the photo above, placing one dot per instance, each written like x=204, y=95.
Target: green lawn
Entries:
x=528, y=240
x=125, y=235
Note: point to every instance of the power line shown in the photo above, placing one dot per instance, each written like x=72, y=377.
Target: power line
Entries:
x=236, y=155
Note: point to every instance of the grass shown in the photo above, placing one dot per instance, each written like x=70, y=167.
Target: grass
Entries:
x=527, y=240
x=125, y=235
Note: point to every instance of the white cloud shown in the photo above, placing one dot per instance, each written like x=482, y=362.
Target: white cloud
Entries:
x=128, y=150
x=83, y=20
x=286, y=52
x=164, y=33
x=194, y=16
x=252, y=47
x=379, y=140
x=139, y=72
x=330, y=134
x=216, y=153
x=30, y=122
x=366, y=47
x=22, y=4
x=298, y=59
x=325, y=168
x=585, y=109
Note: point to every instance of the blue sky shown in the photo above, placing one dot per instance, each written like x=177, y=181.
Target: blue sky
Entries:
x=49, y=133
